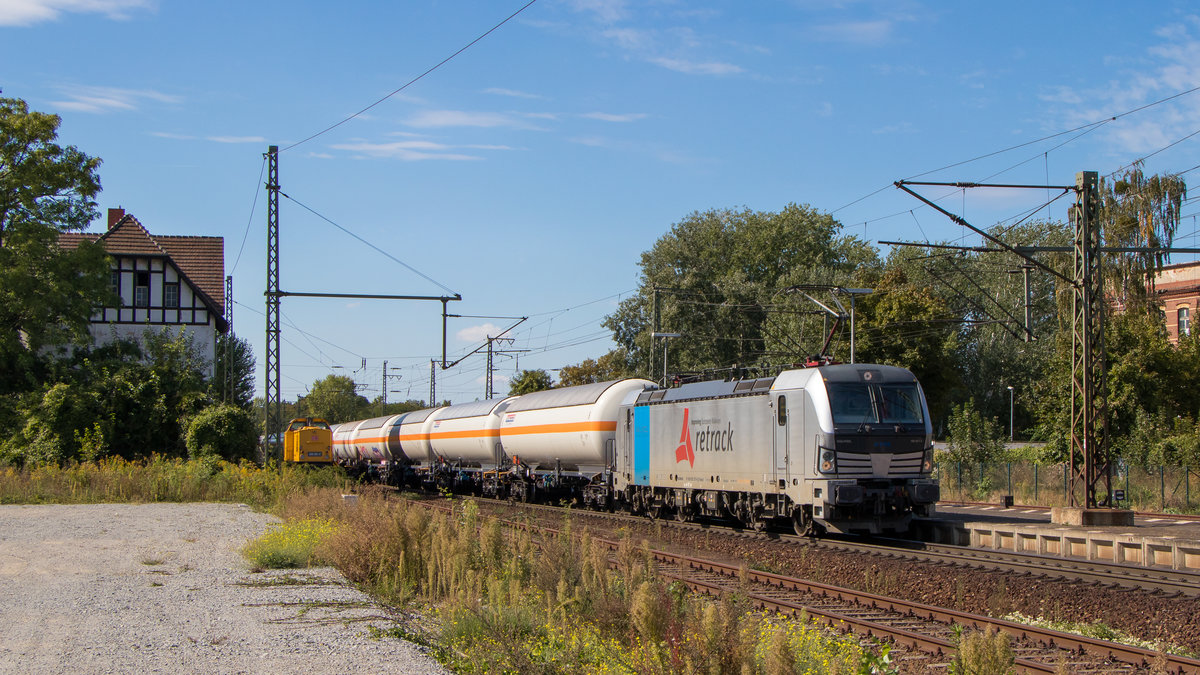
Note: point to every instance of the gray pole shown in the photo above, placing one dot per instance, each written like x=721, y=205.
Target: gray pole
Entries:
x=1010, y=414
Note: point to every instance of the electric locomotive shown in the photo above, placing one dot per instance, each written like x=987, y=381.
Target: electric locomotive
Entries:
x=835, y=448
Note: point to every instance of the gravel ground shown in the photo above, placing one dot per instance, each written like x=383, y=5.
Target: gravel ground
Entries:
x=162, y=588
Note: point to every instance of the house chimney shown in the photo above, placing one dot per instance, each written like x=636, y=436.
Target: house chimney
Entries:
x=115, y=216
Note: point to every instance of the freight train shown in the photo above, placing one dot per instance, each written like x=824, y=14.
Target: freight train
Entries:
x=831, y=448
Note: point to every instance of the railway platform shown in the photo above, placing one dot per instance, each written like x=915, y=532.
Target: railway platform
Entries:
x=1158, y=541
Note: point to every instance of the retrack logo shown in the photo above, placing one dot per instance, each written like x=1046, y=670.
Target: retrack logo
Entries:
x=709, y=439
x=684, y=451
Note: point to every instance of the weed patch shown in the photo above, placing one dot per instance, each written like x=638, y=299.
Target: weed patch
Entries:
x=289, y=545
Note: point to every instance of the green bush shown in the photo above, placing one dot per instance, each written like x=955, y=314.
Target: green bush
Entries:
x=222, y=430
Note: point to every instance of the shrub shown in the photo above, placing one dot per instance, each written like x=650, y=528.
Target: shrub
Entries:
x=222, y=430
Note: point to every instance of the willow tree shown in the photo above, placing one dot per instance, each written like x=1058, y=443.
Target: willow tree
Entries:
x=1139, y=211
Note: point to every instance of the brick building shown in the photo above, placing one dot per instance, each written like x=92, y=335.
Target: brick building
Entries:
x=1177, y=290
x=164, y=281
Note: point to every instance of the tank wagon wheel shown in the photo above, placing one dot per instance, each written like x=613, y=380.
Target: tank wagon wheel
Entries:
x=682, y=514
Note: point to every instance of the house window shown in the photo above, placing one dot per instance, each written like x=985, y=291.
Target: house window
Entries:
x=1184, y=316
x=141, y=289
x=115, y=282
x=171, y=294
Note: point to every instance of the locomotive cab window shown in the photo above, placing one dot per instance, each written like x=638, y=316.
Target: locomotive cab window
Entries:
x=851, y=403
x=860, y=403
x=782, y=410
x=901, y=404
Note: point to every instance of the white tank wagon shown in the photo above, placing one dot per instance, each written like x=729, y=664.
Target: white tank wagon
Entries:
x=836, y=448
x=572, y=428
x=412, y=434
x=343, y=450
x=467, y=436
x=370, y=440
x=559, y=439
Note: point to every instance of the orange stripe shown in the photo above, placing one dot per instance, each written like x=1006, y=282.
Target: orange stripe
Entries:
x=560, y=428
x=469, y=433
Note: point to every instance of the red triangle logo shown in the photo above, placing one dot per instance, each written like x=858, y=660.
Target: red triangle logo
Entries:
x=684, y=451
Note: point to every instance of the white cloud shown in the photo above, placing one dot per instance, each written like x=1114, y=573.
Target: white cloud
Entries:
x=513, y=93
x=857, y=32
x=237, y=139
x=605, y=11
x=174, y=137
x=1167, y=68
x=610, y=117
x=109, y=99
x=696, y=67
x=412, y=151
x=825, y=109
x=431, y=119
x=29, y=12
x=478, y=333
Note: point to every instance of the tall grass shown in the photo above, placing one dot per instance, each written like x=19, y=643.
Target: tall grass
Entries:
x=159, y=479
x=505, y=603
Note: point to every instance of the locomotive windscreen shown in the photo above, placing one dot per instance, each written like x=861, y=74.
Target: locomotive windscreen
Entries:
x=862, y=403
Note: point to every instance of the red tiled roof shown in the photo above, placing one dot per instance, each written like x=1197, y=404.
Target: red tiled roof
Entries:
x=200, y=259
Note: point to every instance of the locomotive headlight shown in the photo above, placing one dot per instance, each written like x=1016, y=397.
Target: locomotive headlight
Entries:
x=828, y=461
x=927, y=462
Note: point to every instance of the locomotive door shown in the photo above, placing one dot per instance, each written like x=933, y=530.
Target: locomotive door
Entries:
x=781, y=449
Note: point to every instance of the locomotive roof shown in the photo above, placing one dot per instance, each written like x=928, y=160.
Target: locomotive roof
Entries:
x=561, y=398
x=857, y=372
x=711, y=389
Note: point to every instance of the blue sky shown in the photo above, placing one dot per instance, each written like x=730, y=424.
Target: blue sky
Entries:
x=530, y=172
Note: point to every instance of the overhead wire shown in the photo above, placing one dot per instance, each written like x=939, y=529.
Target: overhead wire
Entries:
x=413, y=81
x=370, y=245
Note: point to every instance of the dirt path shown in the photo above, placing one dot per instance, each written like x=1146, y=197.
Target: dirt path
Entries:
x=161, y=588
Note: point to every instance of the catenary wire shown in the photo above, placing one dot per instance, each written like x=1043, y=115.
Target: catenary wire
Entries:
x=414, y=80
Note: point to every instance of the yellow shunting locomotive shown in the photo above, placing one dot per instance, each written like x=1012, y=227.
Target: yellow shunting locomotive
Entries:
x=308, y=440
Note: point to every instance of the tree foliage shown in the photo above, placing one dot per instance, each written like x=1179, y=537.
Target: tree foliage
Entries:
x=335, y=400
x=236, y=352
x=111, y=400
x=47, y=293
x=612, y=366
x=529, y=381
x=720, y=279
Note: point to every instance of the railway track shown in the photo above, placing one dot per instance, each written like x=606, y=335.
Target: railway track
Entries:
x=913, y=626
x=1100, y=574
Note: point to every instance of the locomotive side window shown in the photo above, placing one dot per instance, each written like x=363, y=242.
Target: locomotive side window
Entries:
x=782, y=410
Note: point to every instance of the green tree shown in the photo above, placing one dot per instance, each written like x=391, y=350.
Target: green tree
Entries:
x=236, y=352
x=334, y=399
x=47, y=293
x=974, y=438
x=721, y=278
x=226, y=431
x=612, y=366
x=528, y=381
